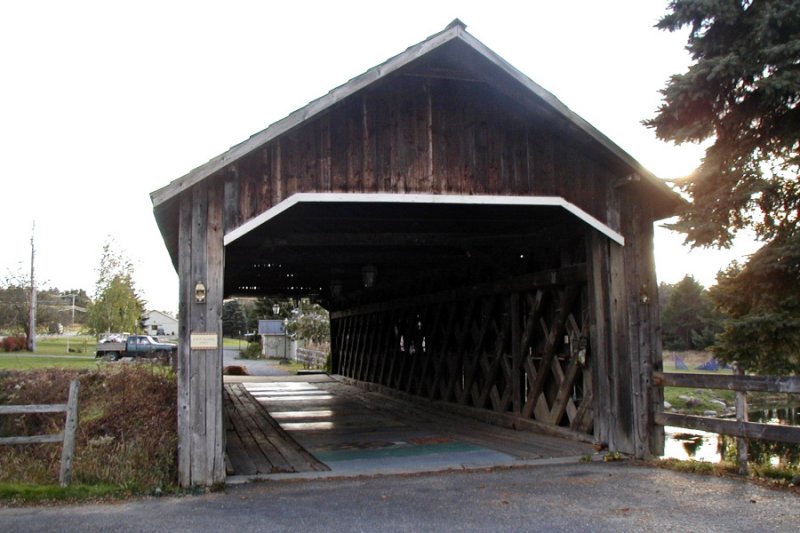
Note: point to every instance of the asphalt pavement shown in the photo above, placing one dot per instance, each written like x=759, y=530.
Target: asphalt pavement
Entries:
x=255, y=367
x=579, y=497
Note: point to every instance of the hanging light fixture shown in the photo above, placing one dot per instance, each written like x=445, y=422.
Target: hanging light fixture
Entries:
x=368, y=275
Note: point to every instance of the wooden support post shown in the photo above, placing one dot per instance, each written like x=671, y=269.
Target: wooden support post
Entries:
x=643, y=334
x=70, y=426
x=200, y=266
x=742, y=452
x=605, y=329
x=516, y=355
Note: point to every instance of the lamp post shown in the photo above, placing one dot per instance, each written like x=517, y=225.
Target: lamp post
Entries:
x=275, y=310
x=285, y=354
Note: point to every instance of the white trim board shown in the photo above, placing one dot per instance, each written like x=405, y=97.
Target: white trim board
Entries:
x=446, y=199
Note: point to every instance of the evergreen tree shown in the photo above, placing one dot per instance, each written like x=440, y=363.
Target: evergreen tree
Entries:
x=234, y=321
x=689, y=321
x=742, y=94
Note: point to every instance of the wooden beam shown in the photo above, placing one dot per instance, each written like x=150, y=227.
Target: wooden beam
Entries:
x=570, y=275
x=790, y=385
x=750, y=430
x=384, y=239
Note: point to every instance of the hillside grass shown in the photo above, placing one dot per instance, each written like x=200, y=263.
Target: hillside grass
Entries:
x=126, y=441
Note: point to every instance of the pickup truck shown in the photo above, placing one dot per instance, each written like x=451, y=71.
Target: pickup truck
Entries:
x=136, y=346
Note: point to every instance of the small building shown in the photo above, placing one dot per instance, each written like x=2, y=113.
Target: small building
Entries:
x=158, y=323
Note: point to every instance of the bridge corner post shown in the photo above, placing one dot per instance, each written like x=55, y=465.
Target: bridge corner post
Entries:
x=644, y=337
x=201, y=443
x=625, y=335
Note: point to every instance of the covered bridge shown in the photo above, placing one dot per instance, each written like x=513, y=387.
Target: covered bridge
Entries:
x=477, y=243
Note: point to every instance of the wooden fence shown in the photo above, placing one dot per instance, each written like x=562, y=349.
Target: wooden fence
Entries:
x=66, y=437
x=311, y=358
x=741, y=427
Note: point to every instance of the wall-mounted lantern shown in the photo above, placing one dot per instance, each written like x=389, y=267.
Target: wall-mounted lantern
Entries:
x=276, y=309
x=200, y=293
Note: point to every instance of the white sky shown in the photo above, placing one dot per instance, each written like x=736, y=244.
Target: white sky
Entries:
x=103, y=102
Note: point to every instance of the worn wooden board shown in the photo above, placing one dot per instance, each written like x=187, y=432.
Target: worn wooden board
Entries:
x=256, y=442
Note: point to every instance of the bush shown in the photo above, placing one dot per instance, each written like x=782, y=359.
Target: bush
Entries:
x=127, y=426
x=253, y=351
x=15, y=344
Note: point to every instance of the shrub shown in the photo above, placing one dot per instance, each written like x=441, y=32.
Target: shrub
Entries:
x=253, y=351
x=15, y=344
x=127, y=426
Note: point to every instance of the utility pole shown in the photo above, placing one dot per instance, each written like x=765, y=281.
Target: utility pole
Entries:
x=32, y=315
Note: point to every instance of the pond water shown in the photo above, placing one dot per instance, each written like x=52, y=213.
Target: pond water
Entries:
x=688, y=444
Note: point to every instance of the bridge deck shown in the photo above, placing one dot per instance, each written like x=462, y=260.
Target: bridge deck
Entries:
x=284, y=426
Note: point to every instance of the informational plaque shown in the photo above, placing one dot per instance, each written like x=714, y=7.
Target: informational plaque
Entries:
x=204, y=341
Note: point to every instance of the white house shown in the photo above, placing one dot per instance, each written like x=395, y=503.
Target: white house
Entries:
x=158, y=323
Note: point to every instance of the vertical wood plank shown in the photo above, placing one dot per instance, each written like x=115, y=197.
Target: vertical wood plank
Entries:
x=325, y=154
x=516, y=354
x=278, y=186
x=620, y=367
x=335, y=345
x=197, y=314
x=367, y=171
x=599, y=332
x=184, y=328
x=232, y=218
x=215, y=445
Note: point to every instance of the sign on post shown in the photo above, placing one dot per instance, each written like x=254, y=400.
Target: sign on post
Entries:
x=204, y=341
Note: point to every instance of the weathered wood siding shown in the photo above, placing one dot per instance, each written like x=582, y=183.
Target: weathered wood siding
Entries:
x=201, y=258
x=422, y=135
x=625, y=332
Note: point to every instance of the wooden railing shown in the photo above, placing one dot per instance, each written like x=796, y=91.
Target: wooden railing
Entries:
x=66, y=437
x=311, y=358
x=741, y=427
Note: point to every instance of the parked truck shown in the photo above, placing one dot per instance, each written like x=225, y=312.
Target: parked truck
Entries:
x=137, y=346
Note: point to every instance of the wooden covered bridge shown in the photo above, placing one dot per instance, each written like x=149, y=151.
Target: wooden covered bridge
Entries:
x=477, y=243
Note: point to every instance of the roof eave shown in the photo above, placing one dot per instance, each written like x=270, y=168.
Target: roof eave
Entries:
x=456, y=30
x=312, y=109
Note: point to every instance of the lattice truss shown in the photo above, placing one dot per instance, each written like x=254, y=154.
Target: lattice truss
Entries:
x=524, y=354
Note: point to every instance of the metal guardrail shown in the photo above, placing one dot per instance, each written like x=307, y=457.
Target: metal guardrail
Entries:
x=66, y=437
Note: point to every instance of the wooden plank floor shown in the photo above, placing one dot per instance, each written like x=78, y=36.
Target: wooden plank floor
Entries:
x=339, y=424
x=256, y=444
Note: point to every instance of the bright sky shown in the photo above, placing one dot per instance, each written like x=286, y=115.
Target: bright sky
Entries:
x=103, y=102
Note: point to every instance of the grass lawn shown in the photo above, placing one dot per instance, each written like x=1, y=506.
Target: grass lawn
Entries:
x=33, y=493
x=80, y=344
x=703, y=396
x=12, y=361
x=233, y=343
